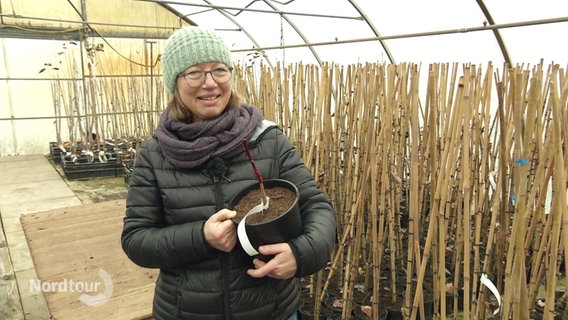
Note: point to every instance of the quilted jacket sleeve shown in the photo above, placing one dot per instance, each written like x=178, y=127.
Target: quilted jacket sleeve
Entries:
x=313, y=248
x=146, y=238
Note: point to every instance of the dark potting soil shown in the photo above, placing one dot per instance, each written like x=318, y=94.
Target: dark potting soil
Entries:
x=281, y=199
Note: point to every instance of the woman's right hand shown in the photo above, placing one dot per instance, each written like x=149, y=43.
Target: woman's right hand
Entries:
x=220, y=231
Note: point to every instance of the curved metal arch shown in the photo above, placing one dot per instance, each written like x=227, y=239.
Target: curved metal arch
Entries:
x=253, y=40
x=496, y=32
x=225, y=14
x=300, y=33
x=291, y=24
x=313, y=50
x=241, y=28
x=374, y=29
x=364, y=17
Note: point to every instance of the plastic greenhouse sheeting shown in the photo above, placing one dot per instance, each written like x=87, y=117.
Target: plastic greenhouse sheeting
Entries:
x=343, y=31
x=392, y=31
x=41, y=35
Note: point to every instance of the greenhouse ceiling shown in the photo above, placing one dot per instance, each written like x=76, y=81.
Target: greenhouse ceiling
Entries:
x=341, y=31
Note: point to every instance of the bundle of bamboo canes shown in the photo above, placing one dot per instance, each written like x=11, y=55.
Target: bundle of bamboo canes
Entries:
x=437, y=184
x=470, y=180
x=116, y=103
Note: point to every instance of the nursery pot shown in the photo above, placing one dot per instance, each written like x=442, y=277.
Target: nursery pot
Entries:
x=281, y=228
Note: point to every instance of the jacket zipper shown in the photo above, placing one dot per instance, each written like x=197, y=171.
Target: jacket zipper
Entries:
x=224, y=256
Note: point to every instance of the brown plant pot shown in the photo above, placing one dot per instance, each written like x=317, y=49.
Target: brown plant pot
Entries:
x=539, y=309
x=281, y=222
x=308, y=312
x=360, y=314
x=334, y=303
x=394, y=307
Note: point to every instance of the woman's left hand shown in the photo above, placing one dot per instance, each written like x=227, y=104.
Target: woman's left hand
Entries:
x=281, y=266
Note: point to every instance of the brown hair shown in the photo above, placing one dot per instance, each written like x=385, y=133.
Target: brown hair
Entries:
x=177, y=111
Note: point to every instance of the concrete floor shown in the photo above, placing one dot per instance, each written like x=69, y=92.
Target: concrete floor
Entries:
x=31, y=184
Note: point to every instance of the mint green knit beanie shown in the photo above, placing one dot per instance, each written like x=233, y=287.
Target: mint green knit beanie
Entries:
x=189, y=46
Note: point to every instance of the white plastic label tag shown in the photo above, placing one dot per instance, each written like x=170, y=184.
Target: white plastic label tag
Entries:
x=242, y=232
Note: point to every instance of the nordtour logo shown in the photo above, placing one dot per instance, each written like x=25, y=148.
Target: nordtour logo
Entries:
x=89, y=289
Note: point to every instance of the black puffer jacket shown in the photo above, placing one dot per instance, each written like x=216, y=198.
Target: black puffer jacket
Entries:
x=166, y=210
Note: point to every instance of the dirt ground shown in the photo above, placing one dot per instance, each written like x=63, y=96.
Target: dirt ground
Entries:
x=95, y=190
x=98, y=189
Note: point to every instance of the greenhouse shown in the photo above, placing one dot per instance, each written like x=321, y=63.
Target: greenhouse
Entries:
x=423, y=144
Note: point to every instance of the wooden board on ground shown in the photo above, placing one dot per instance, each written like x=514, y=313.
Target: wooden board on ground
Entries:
x=82, y=270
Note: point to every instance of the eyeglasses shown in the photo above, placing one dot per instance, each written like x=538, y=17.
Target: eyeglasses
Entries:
x=195, y=78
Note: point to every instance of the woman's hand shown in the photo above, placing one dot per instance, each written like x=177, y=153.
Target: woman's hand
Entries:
x=220, y=231
x=282, y=266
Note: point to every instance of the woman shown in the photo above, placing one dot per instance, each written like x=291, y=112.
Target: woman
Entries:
x=183, y=180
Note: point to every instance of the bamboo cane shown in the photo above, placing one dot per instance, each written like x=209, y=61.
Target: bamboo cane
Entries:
x=432, y=101
x=359, y=125
x=559, y=208
x=461, y=188
x=56, y=96
x=413, y=195
x=447, y=164
x=383, y=144
x=516, y=257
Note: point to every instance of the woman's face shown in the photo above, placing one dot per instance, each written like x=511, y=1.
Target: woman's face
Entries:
x=205, y=89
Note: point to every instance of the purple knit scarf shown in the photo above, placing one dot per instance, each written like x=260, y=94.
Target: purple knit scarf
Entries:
x=188, y=145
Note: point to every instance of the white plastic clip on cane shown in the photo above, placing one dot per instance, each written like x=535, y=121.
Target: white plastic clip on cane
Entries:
x=485, y=281
x=242, y=232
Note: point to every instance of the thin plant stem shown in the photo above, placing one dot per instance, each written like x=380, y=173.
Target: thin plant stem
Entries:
x=256, y=172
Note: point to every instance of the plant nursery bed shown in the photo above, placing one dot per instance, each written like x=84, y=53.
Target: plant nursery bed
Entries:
x=74, y=171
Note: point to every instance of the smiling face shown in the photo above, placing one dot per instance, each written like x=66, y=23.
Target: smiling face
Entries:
x=205, y=99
